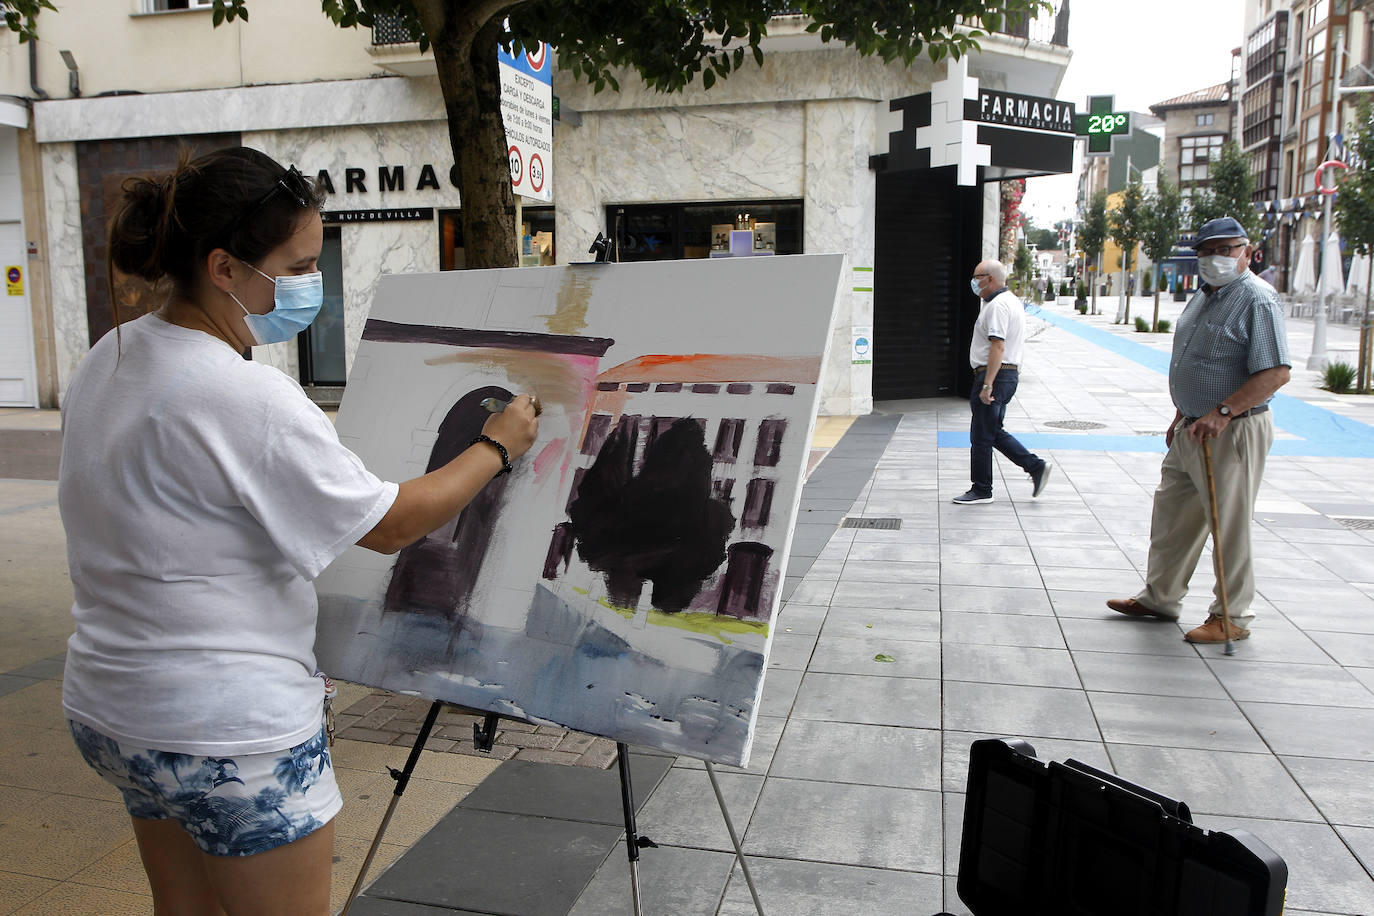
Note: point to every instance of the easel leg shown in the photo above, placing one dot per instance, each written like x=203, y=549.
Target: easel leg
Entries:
x=402, y=777
x=627, y=801
x=734, y=838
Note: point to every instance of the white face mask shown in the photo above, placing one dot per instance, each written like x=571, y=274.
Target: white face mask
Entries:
x=1217, y=270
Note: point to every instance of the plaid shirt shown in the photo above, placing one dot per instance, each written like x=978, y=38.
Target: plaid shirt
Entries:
x=1223, y=338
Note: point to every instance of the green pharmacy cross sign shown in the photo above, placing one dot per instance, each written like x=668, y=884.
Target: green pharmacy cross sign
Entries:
x=1100, y=124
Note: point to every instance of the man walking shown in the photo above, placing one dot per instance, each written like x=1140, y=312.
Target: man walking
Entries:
x=1230, y=356
x=999, y=335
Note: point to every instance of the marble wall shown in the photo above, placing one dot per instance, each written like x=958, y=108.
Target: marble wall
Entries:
x=66, y=259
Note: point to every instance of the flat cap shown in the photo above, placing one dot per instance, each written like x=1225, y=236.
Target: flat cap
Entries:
x=1225, y=227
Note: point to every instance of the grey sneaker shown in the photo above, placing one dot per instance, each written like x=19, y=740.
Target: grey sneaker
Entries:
x=972, y=497
x=1042, y=478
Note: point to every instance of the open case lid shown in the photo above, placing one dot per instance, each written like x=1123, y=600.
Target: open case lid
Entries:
x=1068, y=839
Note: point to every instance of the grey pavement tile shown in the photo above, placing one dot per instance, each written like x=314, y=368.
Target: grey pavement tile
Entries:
x=1185, y=722
x=875, y=755
x=1019, y=711
x=877, y=656
x=901, y=553
x=875, y=826
x=1003, y=664
x=957, y=744
x=1272, y=639
x=1314, y=616
x=953, y=905
x=985, y=537
x=954, y=829
x=911, y=596
x=1216, y=782
x=1361, y=842
x=995, y=599
x=798, y=888
x=1285, y=592
x=1343, y=790
x=570, y=793
x=1353, y=649
x=814, y=566
x=1165, y=675
x=1019, y=555
x=1314, y=731
x=889, y=571
x=779, y=690
x=883, y=623
x=1041, y=528
x=767, y=732
x=1363, y=675
x=683, y=810
x=1316, y=685
x=671, y=880
x=800, y=619
x=42, y=669
x=1001, y=629
x=10, y=683
x=813, y=591
x=1323, y=875
x=989, y=574
x=791, y=650
x=907, y=535
x=379, y=906
x=868, y=699
x=1115, y=633
x=1087, y=579
x=1290, y=567
x=1054, y=554
x=510, y=863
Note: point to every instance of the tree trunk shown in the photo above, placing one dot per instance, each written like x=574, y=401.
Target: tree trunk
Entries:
x=464, y=38
x=1159, y=278
x=1364, y=331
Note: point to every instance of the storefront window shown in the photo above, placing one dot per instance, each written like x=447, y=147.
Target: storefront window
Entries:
x=322, y=344
x=537, y=223
x=665, y=232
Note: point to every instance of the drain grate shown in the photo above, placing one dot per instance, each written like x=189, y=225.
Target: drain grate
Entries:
x=1150, y=432
x=886, y=524
x=1075, y=424
x=1359, y=524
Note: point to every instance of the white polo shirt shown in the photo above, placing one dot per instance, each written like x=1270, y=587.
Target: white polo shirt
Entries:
x=1004, y=317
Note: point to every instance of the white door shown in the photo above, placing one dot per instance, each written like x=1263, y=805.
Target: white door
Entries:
x=18, y=375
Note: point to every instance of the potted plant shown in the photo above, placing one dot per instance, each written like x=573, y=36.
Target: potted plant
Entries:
x=1080, y=301
x=1179, y=293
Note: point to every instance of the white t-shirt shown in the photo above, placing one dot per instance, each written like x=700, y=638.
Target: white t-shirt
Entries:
x=1003, y=317
x=201, y=493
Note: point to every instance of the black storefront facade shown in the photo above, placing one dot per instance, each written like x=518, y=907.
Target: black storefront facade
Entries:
x=931, y=221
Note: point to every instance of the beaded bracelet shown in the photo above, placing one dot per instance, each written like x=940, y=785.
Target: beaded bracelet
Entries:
x=505, y=455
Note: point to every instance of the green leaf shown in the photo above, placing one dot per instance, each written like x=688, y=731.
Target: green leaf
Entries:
x=217, y=17
x=708, y=79
x=883, y=657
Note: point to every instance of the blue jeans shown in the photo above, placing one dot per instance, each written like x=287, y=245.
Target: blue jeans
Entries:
x=986, y=433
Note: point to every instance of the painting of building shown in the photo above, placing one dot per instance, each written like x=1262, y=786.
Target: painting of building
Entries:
x=623, y=580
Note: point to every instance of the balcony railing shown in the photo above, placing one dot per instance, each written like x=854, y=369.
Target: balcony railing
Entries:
x=1049, y=28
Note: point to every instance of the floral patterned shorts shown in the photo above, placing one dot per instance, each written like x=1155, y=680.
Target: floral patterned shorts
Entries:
x=231, y=806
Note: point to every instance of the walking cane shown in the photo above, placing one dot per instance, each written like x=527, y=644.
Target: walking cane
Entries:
x=1217, y=564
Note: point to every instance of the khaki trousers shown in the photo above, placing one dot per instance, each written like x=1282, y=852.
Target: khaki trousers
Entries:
x=1181, y=520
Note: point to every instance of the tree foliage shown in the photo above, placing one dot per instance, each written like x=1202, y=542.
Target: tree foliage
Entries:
x=1231, y=192
x=1092, y=235
x=1163, y=217
x=666, y=43
x=1127, y=229
x=21, y=15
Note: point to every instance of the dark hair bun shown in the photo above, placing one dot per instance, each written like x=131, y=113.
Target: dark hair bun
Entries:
x=138, y=228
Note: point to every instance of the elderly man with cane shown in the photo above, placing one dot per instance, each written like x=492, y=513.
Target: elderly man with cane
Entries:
x=1230, y=356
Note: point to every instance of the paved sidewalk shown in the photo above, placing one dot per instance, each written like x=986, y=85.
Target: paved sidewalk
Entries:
x=993, y=617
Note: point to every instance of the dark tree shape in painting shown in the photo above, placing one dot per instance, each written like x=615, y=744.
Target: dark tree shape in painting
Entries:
x=661, y=525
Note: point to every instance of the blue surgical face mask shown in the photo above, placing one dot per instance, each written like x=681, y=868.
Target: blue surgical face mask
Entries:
x=976, y=286
x=297, y=300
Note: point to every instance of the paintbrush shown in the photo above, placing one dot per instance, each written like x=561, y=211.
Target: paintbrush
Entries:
x=496, y=405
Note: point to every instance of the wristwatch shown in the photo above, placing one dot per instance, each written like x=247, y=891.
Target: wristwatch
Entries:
x=1224, y=410
x=987, y=387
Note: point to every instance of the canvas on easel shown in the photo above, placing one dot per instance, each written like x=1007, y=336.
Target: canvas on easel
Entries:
x=624, y=580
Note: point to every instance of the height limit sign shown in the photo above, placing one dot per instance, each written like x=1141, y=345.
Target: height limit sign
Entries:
x=527, y=112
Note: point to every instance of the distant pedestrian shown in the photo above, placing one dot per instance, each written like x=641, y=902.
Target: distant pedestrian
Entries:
x=1040, y=285
x=995, y=353
x=1130, y=284
x=1230, y=356
x=1270, y=275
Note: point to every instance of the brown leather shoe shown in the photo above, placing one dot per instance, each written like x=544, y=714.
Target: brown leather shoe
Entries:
x=1213, y=632
x=1132, y=608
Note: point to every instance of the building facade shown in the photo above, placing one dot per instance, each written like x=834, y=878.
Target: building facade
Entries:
x=790, y=145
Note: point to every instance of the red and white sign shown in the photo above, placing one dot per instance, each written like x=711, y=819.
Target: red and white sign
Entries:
x=517, y=168
x=536, y=173
x=527, y=113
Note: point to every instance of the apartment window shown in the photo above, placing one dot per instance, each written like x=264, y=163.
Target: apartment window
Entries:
x=1204, y=120
x=162, y=6
x=1195, y=156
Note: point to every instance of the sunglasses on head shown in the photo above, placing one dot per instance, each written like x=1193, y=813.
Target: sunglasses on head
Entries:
x=291, y=183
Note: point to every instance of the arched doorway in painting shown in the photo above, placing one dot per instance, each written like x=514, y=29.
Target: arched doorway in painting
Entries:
x=436, y=574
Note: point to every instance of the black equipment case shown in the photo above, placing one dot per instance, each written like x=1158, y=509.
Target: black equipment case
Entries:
x=1070, y=840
